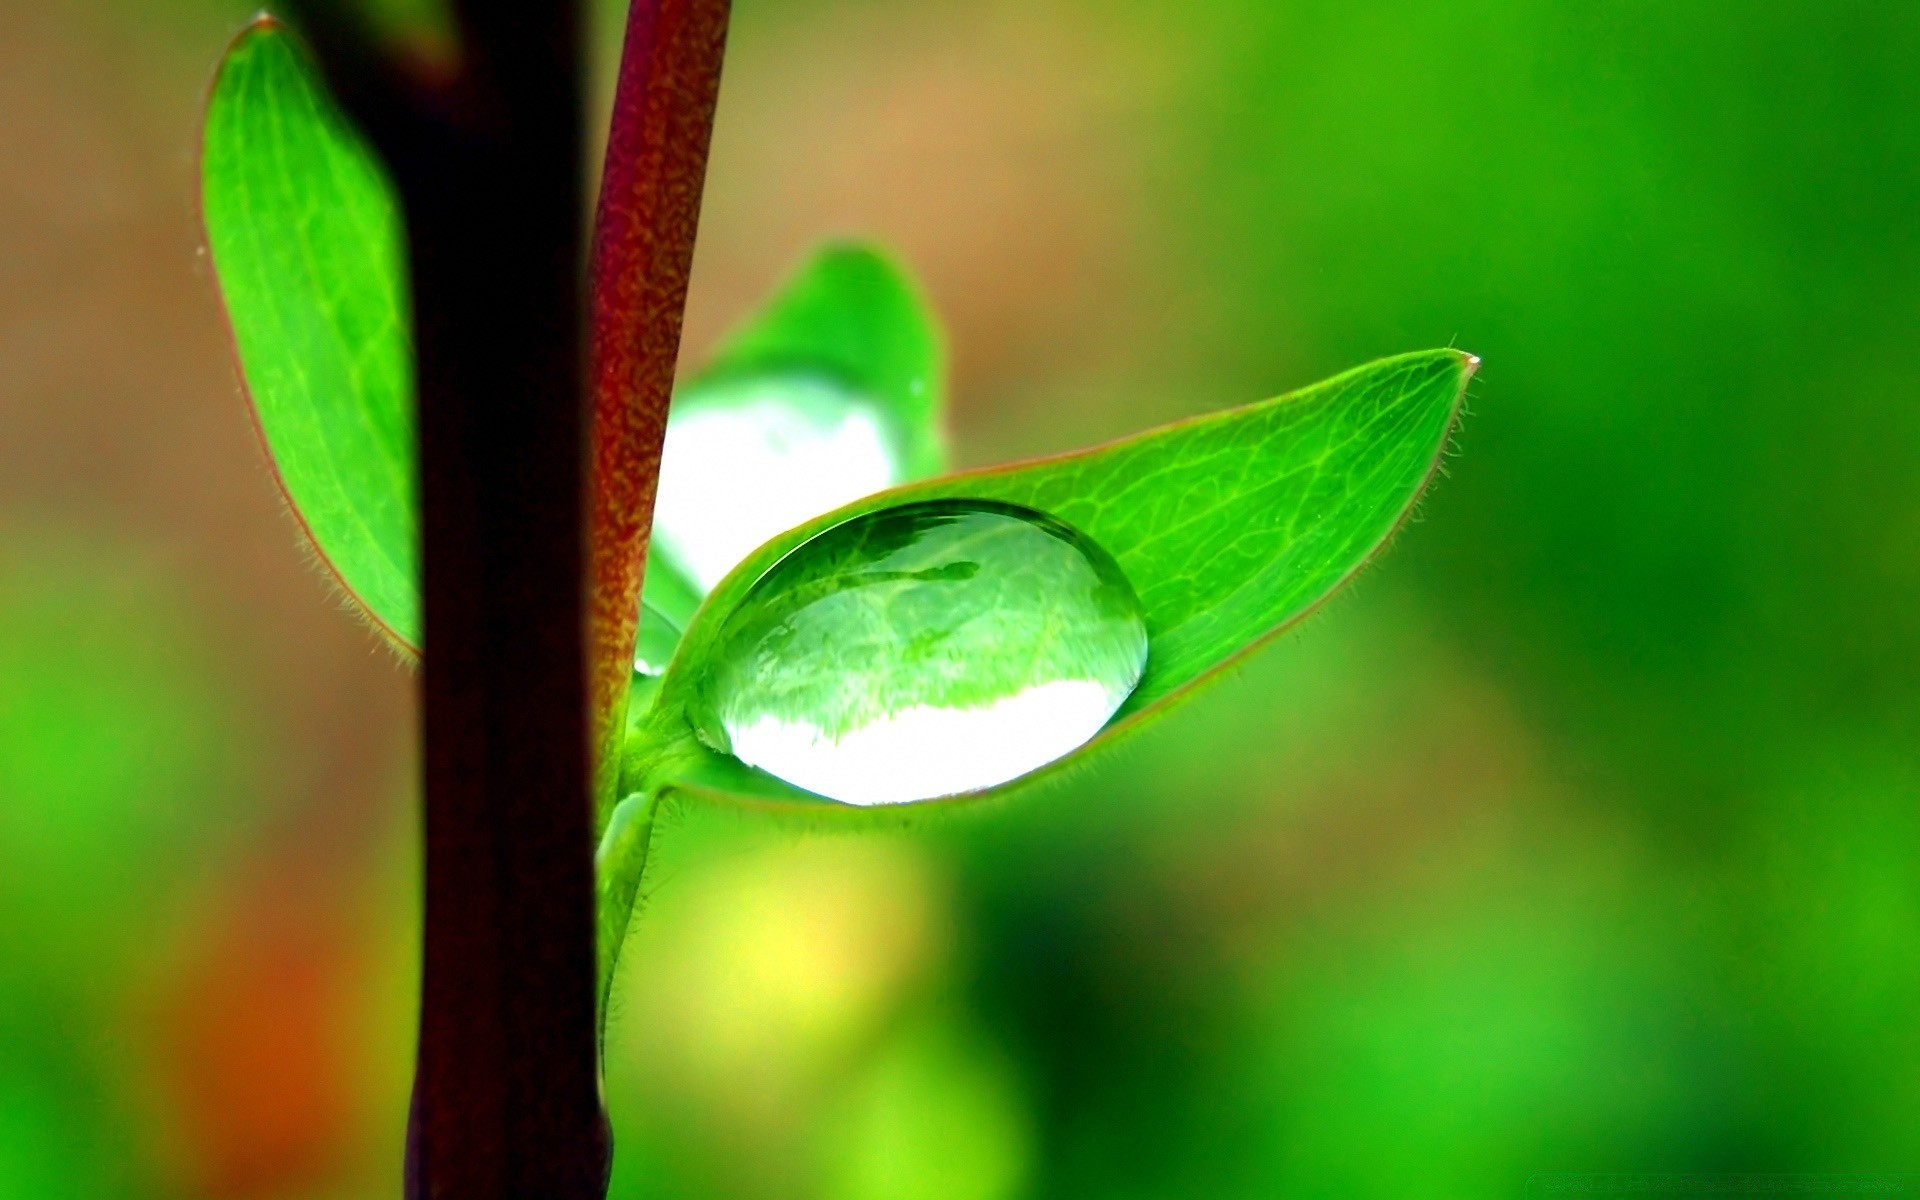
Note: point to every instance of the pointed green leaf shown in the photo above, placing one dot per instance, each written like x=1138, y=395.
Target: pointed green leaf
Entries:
x=1230, y=527
x=309, y=248
x=832, y=391
x=852, y=314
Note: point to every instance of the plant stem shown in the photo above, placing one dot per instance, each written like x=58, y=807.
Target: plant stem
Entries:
x=524, y=677
x=506, y=1095
x=649, y=211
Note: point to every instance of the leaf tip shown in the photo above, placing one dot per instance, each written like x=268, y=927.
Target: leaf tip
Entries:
x=263, y=23
x=1469, y=362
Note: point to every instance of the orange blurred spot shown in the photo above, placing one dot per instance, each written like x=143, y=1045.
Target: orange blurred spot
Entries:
x=254, y=1050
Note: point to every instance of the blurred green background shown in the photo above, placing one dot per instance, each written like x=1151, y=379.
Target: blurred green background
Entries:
x=1583, y=835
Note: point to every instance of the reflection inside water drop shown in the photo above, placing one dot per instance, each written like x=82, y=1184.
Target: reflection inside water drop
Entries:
x=924, y=651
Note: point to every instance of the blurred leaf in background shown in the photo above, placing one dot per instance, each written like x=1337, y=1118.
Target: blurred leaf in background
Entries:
x=118, y=751
x=120, y=760
x=937, y=1114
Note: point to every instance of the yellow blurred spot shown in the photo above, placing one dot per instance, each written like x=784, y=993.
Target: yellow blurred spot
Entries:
x=751, y=983
x=937, y=1115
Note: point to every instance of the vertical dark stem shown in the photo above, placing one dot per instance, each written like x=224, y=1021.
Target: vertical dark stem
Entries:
x=506, y=1096
x=517, y=671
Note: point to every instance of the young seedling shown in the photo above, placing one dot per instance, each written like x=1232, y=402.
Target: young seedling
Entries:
x=830, y=623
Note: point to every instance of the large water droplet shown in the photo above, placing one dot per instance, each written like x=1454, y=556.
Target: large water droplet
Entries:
x=922, y=651
x=751, y=457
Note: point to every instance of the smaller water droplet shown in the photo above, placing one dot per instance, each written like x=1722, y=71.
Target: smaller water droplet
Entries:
x=751, y=457
x=654, y=642
x=923, y=651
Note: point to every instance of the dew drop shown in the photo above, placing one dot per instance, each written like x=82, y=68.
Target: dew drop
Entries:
x=922, y=651
x=654, y=642
x=751, y=457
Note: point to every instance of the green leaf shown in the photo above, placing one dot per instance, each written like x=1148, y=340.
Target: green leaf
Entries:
x=657, y=638
x=847, y=346
x=1230, y=527
x=668, y=592
x=854, y=315
x=834, y=390
x=309, y=248
x=619, y=862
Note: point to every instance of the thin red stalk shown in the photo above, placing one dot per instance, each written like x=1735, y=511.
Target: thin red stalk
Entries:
x=649, y=210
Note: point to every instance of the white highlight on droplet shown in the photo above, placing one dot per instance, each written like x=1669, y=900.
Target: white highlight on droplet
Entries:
x=735, y=474
x=923, y=751
x=647, y=667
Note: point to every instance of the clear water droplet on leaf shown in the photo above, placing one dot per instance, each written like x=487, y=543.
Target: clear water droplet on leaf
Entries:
x=923, y=651
x=751, y=457
x=654, y=642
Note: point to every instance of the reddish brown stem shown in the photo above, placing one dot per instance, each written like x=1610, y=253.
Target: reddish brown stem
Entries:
x=649, y=210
